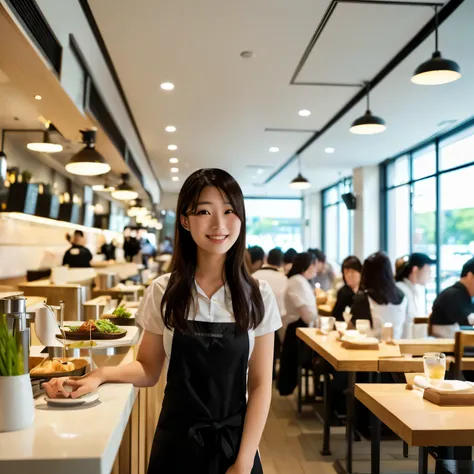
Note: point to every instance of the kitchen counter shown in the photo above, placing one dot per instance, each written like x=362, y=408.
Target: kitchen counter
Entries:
x=70, y=440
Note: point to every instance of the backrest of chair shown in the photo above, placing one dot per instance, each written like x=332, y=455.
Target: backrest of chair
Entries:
x=462, y=339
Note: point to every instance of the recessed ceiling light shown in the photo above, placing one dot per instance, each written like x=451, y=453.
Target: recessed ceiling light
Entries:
x=175, y=178
x=174, y=160
x=172, y=147
x=38, y=97
x=174, y=170
x=304, y=113
x=170, y=128
x=167, y=86
x=329, y=149
x=274, y=149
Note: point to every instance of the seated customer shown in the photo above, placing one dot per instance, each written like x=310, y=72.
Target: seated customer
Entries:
x=453, y=307
x=288, y=258
x=272, y=274
x=257, y=258
x=325, y=275
x=351, y=272
x=380, y=300
x=301, y=311
x=412, y=273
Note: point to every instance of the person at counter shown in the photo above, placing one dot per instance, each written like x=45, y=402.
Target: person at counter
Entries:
x=108, y=250
x=325, y=274
x=453, y=307
x=214, y=324
x=351, y=270
x=77, y=256
x=412, y=273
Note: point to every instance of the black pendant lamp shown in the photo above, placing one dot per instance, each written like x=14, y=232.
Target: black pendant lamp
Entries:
x=124, y=192
x=437, y=70
x=46, y=146
x=88, y=162
x=368, y=124
x=300, y=182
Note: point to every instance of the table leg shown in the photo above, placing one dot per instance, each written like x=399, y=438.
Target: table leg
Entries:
x=375, y=441
x=327, y=416
x=422, y=460
x=405, y=449
x=300, y=342
x=463, y=453
x=350, y=419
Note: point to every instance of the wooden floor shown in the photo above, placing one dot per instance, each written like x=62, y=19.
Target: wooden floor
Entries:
x=291, y=444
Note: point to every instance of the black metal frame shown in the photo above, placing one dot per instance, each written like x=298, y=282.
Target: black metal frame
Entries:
x=345, y=182
x=385, y=189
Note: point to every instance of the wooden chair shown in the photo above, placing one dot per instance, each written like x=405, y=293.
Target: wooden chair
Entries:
x=462, y=340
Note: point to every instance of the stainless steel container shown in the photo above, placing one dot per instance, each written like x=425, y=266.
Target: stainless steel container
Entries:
x=105, y=281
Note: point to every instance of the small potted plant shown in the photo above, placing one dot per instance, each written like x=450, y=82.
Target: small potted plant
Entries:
x=16, y=394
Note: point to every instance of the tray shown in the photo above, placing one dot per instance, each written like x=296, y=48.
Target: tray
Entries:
x=360, y=346
x=80, y=370
x=449, y=399
x=95, y=335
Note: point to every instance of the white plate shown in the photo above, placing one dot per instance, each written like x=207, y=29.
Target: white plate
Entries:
x=86, y=399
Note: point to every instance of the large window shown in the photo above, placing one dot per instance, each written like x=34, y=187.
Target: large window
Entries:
x=430, y=206
x=337, y=222
x=274, y=223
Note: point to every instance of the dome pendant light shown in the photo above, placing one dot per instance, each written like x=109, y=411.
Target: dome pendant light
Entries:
x=300, y=182
x=46, y=146
x=124, y=192
x=368, y=124
x=88, y=162
x=437, y=70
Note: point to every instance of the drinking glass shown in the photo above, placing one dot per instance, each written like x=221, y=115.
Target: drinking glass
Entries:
x=327, y=323
x=363, y=326
x=434, y=364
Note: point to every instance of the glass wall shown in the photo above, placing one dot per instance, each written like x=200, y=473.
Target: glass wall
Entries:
x=338, y=227
x=430, y=208
x=274, y=223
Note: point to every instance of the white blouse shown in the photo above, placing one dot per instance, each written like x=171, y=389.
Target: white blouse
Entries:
x=217, y=309
x=416, y=296
x=299, y=293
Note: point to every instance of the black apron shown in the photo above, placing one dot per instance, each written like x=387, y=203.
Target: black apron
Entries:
x=201, y=421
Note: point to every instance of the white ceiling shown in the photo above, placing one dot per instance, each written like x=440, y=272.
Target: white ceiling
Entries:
x=222, y=103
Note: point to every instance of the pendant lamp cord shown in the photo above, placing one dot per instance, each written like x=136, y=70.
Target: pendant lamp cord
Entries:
x=436, y=28
x=367, y=83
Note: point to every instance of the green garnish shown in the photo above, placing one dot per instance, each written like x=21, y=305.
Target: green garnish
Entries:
x=11, y=359
x=121, y=312
x=73, y=328
x=104, y=325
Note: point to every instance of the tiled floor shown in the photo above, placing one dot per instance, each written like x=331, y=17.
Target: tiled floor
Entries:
x=291, y=445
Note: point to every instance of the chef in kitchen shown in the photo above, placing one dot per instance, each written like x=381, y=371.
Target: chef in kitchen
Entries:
x=77, y=256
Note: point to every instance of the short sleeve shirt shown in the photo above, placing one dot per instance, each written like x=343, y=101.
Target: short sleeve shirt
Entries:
x=217, y=309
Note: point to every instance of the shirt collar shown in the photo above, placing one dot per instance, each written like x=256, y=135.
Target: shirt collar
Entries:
x=219, y=294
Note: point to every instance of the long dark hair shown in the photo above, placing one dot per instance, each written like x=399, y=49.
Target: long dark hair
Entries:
x=247, y=302
x=377, y=280
x=301, y=263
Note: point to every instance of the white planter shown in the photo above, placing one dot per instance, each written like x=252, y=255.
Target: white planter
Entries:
x=17, y=409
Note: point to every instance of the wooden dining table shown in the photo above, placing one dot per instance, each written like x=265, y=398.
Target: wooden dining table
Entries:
x=387, y=358
x=416, y=421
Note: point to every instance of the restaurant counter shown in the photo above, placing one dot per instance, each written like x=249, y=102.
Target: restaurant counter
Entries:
x=113, y=435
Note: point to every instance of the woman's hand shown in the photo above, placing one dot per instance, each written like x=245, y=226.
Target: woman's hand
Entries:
x=73, y=387
x=239, y=468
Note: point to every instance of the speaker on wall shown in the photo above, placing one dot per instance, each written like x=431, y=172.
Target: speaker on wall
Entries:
x=349, y=200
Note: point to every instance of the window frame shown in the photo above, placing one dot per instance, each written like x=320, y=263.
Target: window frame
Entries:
x=385, y=189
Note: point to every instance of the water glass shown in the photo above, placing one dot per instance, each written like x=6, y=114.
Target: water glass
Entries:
x=363, y=326
x=327, y=323
x=434, y=364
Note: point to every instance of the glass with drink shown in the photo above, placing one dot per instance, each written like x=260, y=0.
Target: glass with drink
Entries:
x=434, y=364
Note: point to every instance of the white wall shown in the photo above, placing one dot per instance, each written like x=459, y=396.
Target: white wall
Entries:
x=312, y=221
x=366, y=184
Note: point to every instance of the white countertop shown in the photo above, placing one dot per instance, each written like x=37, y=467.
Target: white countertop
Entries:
x=70, y=440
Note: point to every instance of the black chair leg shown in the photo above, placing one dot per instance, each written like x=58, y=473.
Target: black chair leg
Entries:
x=405, y=449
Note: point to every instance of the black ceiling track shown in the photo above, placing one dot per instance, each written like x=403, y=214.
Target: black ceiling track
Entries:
x=32, y=19
x=424, y=33
x=108, y=60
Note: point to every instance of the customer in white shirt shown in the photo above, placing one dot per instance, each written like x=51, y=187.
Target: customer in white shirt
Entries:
x=412, y=273
x=273, y=274
x=301, y=311
x=380, y=300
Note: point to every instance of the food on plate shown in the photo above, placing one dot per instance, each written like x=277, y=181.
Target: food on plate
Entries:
x=49, y=366
x=121, y=312
x=100, y=325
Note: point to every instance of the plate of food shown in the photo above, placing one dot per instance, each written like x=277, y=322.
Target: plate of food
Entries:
x=47, y=368
x=98, y=329
x=82, y=400
x=120, y=316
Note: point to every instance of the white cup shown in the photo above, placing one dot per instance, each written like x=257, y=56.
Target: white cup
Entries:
x=363, y=326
